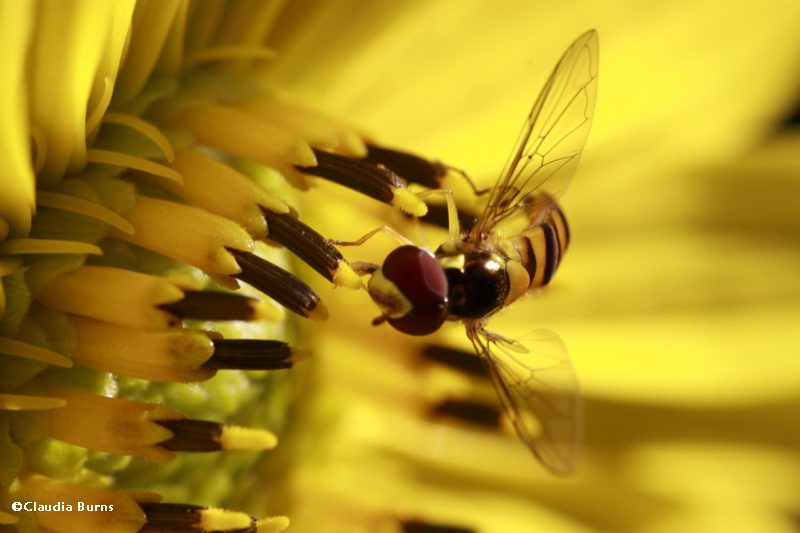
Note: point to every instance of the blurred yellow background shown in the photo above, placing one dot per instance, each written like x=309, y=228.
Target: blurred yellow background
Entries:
x=679, y=299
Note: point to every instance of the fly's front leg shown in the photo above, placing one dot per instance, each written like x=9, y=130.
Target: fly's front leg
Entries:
x=367, y=269
x=415, y=169
x=475, y=190
x=388, y=230
x=452, y=212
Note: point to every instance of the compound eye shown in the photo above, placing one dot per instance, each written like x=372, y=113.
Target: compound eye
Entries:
x=420, y=278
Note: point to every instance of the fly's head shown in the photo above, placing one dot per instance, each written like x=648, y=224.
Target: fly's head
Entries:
x=411, y=290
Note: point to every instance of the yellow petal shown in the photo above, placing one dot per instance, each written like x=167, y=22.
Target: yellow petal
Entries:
x=16, y=175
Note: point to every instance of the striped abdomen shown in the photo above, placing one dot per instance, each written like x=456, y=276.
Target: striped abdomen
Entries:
x=542, y=245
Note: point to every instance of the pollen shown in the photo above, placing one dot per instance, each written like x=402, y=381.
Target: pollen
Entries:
x=273, y=524
x=409, y=202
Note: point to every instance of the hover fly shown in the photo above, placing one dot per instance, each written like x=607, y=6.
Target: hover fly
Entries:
x=516, y=245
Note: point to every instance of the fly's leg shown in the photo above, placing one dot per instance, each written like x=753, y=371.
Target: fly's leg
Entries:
x=475, y=190
x=367, y=269
x=452, y=212
x=388, y=230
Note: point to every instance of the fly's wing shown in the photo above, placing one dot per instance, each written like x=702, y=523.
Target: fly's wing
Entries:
x=539, y=392
x=555, y=131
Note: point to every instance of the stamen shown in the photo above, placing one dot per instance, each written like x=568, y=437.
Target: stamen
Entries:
x=421, y=526
x=175, y=517
x=9, y=265
x=366, y=177
x=273, y=524
x=147, y=430
x=175, y=355
x=204, y=436
x=127, y=514
x=114, y=295
x=409, y=166
x=243, y=135
x=83, y=207
x=112, y=425
x=145, y=128
x=466, y=362
x=254, y=354
x=278, y=284
x=218, y=305
x=216, y=187
x=118, y=159
x=47, y=246
x=316, y=129
x=316, y=251
x=232, y=52
x=189, y=235
x=95, y=117
x=39, y=149
x=33, y=352
x=469, y=411
x=16, y=402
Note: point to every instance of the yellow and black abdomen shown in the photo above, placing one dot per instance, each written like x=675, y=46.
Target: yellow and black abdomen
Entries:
x=541, y=245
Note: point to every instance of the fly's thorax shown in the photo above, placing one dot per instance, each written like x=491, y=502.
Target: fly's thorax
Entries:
x=477, y=280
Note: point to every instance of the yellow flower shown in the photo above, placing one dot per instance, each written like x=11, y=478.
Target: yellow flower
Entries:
x=169, y=130
x=677, y=299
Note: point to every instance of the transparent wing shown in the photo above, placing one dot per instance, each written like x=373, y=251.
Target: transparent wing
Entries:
x=539, y=392
x=552, y=138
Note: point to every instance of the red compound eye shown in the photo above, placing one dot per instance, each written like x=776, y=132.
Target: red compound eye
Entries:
x=422, y=281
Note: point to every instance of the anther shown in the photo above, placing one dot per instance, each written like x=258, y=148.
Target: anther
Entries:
x=409, y=166
x=466, y=362
x=218, y=305
x=280, y=285
x=422, y=526
x=254, y=354
x=315, y=250
x=204, y=436
x=174, y=517
x=469, y=411
x=367, y=177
